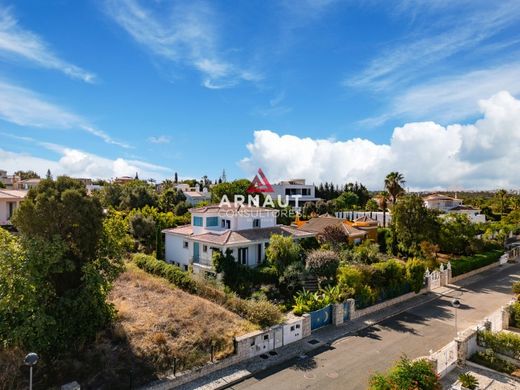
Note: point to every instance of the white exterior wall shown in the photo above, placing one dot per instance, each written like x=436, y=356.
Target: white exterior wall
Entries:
x=292, y=332
x=4, y=210
x=175, y=252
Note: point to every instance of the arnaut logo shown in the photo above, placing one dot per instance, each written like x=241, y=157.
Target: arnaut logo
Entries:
x=260, y=184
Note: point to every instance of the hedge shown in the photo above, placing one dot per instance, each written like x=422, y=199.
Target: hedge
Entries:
x=488, y=358
x=261, y=312
x=469, y=263
x=506, y=343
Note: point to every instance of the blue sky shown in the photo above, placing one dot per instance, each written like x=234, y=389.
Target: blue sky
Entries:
x=103, y=88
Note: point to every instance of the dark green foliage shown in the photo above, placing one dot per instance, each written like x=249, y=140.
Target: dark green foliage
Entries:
x=182, y=208
x=170, y=198
x=488, y=358
x=468, y=381
x=347, y=201
x=407, y=374
x=361, y=192
x=281, y=252
x=468, y=263
x=456, y=234
x=309, y=208
x=26, y=175
x=394, y=183
x=413, y=223
x=366, y=253
x=415, y=270
x=143, y=230
x=514, y=315
x=230, y=189
x=322, y=263
x=505, y=343
x=259, y=312
x=137, y=194
x=322, y=207
x=67, y=259
x=383, y=238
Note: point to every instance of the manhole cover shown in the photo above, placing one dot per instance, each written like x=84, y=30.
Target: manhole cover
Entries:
x=313, y=341
x=273, y=353
x=333, y=375
x=309, y=375
x=264, y=356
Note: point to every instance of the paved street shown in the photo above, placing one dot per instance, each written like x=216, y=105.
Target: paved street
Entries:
x=350, y=361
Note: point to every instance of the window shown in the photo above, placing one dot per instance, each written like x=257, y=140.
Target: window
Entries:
x=204, y=248
x=10, y=209
x=306, y=191
x=297, y=326
x=256, y=223
x=292, y=328
x=242, y=256
x=185, y=268
x=211, y=221
x=266, y=337
x=197, y=221
x=225, y=223
x=185, y=244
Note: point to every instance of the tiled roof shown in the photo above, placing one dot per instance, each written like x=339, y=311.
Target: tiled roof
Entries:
x=215, y=208
x=238, y=237
x=438, y=197
x=195, y=194
x=318, y=224
x=12, y=194
x=365, y=218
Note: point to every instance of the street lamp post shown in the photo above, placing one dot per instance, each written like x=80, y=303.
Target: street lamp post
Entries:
x=456, y=304
x=30, y=360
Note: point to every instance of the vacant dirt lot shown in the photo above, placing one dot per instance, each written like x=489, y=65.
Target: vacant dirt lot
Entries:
x=160, y=322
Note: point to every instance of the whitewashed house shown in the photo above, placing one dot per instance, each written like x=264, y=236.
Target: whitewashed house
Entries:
x=194, y=195
x=9, y=201
x=447, y=204
x=296, y=191
x=243, y=229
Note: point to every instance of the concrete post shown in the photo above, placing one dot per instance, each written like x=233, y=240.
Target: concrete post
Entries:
x=505, y=317
x=351, y=308
x=337, y=314
x=306, y=325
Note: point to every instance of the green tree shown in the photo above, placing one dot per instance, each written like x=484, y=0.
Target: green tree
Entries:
x=143, y=230
x=322, y=263
x=412, y=223
x=360, y=190
x=170, y=198
x=182, y=208
x=334, y=236
x=230, y=189
x=137, y=194
x=415, y=270
x=501, y=198
x=309, y=208
x=407, y=374
x=394, y=183
x=111, y=195
x=25, y=175
x=456, y=234
x=281, y=252
x=2, y=185
x=347, y=201
x=371, y=205
x=322, y=207
x=70, y=262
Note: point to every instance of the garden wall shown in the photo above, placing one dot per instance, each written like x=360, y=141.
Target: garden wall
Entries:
x=474, y=272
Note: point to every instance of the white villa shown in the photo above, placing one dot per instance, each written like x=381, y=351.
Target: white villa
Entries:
x=194, y=195
x=295, y=189
x=9, y=201
x=447, y=204
x=243, y=229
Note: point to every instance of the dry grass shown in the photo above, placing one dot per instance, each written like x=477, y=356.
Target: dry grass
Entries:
x=161, y=323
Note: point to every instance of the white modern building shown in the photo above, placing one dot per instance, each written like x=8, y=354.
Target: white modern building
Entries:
x=296, y=191
x=447, y=204
x=243, y=229
x=194, y=195
x=9, y=201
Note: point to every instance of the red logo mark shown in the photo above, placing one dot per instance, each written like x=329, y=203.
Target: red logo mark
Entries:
x=260, y=184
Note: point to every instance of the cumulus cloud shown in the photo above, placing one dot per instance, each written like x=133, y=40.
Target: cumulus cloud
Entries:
x=77, y=163
x=161, y=139
x=478, y=155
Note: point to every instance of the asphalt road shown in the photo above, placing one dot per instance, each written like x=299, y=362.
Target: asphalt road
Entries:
x=349, y=362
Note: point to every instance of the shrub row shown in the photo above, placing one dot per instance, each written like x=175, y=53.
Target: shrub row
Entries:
x=469, y=263
x=506, y=343
x=260, y=312
x=488, y=358
x=514, y=317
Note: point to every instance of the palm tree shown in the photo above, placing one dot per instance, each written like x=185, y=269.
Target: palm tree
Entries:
x=394, y=182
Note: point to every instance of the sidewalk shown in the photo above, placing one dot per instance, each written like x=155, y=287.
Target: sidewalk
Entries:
x=321, y=338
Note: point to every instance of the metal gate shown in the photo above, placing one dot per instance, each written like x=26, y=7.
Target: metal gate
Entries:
x=321, y=317
x=346, y=311
x=435, y=280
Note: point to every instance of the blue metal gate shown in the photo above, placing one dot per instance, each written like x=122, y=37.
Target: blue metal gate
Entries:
x=321, y=317
x=346, y=311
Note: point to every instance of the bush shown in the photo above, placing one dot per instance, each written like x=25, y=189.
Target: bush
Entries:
x=407, y=374
x=516, y=288
x=306, y=301
x=322, y=263
x=260, y=312
x=469, y=263
x=468, y=381
x=514, y=316
x=506, y=343
x=488, y=358
x=415, y=270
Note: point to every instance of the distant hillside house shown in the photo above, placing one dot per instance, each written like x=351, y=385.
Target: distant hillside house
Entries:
x=317, y=225
x=243, y=229
x=194, y=196
x=9, y=201
x=295, y=189
x=447, y=204
x=28, y=184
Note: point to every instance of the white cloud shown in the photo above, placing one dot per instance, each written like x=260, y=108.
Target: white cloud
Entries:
x=77, y=163
x=415, y=55
x=161, y=139
x=20, y=43
x=451, y=98
x=478, y=155
x=25, y=108
x=185, y=34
